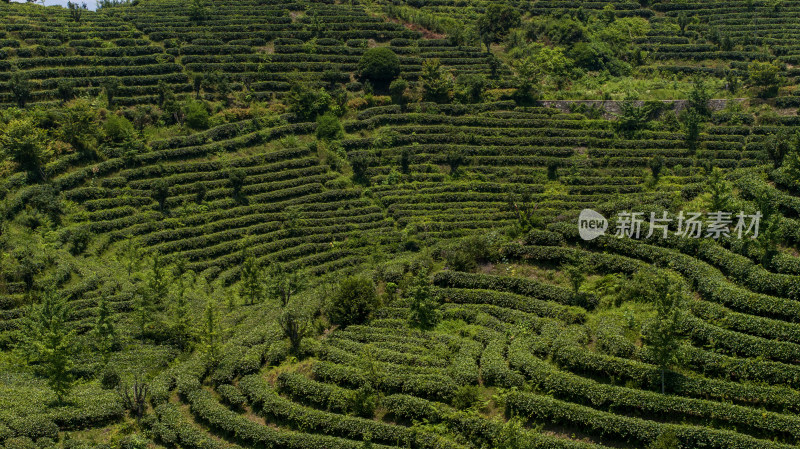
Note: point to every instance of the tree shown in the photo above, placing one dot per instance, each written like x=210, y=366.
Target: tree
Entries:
x=104, y=333
x=526, y=81
x=552, y=63
x=111, y=86
x=720, y=190
x=792, y=163
x=134, y=396
x=282, y=283
x=21, y=88
x=181, y=325
x=353, y=301
x=198, y=11
x=455, y=159
x=656, y=164
x=329, y=127
x=76, y=11
x=158, y=280
x=470, y=88
x=379, y=65
x=437, y=84
x=683, y=21
x=661, y=334
x=691, y=126
x=65, y=90
x=765, y=75
x=496, y=22
x=575, y=276
x=251, y=287
x=307, y=102
x=210, y=333
x=198, y=80
x=397, y=90
x=160, y=193
x=424, y=306
x=48, y=342
x=405, y=161
x=294, y=324
x=359, y=163
x=699, y=97
x=237, y=177
x=196, y=115
x=24, y=143
x=777, y=147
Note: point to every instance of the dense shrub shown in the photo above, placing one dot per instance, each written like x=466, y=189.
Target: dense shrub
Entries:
x=353, y=302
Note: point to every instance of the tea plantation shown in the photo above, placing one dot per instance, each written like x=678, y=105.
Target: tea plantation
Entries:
x=363, y=224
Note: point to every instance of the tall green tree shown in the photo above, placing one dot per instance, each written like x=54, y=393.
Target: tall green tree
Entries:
x=379, y=65
x=662, y=334
x=25, y=143
x=210, y=333
x=720, y=190
x=424, y=305
x=437, y=83
x=251, y=286
x=353, y=301
x=48, y=342
x=294, y=324
x=104, y=334
x=282, y=284
x=496, y=22
x=21, y=88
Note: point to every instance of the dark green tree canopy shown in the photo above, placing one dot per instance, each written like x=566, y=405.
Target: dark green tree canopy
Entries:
x=379, y=65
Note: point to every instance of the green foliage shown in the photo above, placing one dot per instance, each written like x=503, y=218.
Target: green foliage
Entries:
x=575, y=276
x=470, y=88
x=692, y=125
x=496, y=22
x=237, y=177
x=111, y=86
x=282, y=283
x=210, y=333
x=656, y=164
x=329, y=127
x=397, y=90
x=25, y=143
x=196, y=115
x=251, y=287
x=423, y=305
x=307, y=102
x=75, y=11
x=48, y=341
x=437, y=83
x=661, y=334
x=765, y=75
x=699, y=97
x=65, y=91
x=21, y=88
x=720, y=190
x=665, y=440
x=353, y=301
x=294, y=324
x=118, y=129
x=379, y=65
x=466, y=397
x=365, y=401
x=105, y=337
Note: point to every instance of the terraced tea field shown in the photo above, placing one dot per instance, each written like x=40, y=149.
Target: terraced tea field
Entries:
x=320, y=224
